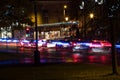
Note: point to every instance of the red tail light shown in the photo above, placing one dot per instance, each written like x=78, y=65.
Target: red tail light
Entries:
x=74, y=44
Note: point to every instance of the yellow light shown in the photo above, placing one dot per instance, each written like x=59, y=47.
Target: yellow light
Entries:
x=66, y=18
x=65, y=6
x=91, y=15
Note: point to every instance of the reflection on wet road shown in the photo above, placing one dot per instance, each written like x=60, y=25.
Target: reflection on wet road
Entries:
x=76, y=57
x=51, y=55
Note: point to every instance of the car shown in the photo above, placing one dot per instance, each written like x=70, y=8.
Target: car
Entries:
x=63, y=44
x=51, y=44
x=81, y=46
x=32, y=43
x=25, y=43
x=100, y=46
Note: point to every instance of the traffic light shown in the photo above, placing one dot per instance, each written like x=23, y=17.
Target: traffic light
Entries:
x=27, y=30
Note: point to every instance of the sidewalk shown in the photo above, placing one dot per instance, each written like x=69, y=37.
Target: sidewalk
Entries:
x=61, y=71
x=54, y=71
x=11, y=58
x=12, y=55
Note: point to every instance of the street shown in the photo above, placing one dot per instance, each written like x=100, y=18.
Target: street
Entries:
x=53, y=55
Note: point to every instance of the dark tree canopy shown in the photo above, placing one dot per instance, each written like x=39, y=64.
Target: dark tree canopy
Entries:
x=14, y=11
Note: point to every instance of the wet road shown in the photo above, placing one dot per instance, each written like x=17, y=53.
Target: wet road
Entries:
x=52, y=55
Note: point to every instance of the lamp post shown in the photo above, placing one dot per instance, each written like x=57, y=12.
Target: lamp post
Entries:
x=91, y=16
x=36, y=52
x=64, y=11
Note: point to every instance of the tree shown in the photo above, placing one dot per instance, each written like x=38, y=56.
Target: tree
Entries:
x=14, y=12
x=113, y=11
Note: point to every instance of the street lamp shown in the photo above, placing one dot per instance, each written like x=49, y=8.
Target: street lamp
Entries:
x=64, y=12
x=65, y=6
x=91, y=15
x=66, y=18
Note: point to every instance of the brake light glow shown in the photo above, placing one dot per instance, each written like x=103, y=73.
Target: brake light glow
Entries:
x=21, y=43
x=106, y=44
x=74, y=44
x=95, y=45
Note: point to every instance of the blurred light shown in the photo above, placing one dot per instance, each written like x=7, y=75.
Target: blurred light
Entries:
x=91, y=15
x=26, y=60
x=15, y=40
x=82, y=5
x=66, y=18
x=25, y=41
x=103, y=59
x=0, y=39
x=117, y=45
x=27, y=29
x=96, y=0
x=17, y=23
x=95, y=45
x=77, y=57
x=91, y=58
x=4, y=40
x=65, y=6
x=9, y=40
x=99, y=1
x=51, y=45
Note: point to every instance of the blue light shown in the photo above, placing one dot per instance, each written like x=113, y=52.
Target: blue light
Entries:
x=0, y=39
x=117, y=45
x=84, y=43
x=25, y=41
x=15, y=41
x=4, y=40
x=9, y=40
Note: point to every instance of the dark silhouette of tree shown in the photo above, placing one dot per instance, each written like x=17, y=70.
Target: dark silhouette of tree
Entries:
x=14, y=12
x=113, y=11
